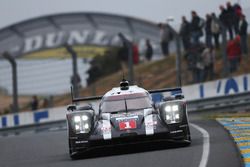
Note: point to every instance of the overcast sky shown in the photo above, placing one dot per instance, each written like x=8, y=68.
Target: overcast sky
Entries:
x=12, y=11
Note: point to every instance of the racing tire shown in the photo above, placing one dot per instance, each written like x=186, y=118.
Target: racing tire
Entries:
x=73, y=154
x=187, y=140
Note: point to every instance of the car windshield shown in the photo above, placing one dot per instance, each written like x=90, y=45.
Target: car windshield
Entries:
x=132, y=104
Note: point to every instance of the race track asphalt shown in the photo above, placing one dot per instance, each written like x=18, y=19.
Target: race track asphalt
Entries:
x=50, y=149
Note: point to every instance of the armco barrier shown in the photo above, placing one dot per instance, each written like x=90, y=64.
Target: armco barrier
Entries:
x=219, y=94
x=216, y=88
x=43, y=116
x=228, y=103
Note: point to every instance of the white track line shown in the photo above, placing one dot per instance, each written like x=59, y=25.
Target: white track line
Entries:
x=206, y=145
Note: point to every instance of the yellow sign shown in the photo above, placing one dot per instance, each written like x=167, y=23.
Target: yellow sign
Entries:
x=60, y=53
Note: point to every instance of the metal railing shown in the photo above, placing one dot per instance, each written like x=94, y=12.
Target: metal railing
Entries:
x=229, y=103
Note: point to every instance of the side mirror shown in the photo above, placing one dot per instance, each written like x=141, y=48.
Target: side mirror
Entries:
x=88, y=107
x=168, y=98
x=71, y=107
x=179, y=96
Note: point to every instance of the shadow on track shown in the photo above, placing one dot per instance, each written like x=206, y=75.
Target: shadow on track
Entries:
x=129, y=149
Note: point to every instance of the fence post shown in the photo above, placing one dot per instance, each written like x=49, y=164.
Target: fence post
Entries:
x=178, y=55
x=75, y=73
x=12, y=61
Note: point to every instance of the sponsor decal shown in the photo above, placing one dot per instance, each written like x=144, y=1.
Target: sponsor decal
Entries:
x=126, y=118
x=82, y=52
x=106, y=127
x=176, y=131
x=80, y=142
x=149, y=122
x=130, y=124
x=74, y=37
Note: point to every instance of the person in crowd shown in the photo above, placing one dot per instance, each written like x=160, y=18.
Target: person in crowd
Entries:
x=243, y=34
x=135, y=53
x=226, y=21
x=215, y=29
x=195, y=62
x=234, y=53
x=45, y=103
x=208, y=30
x=166, y=37
x=200, y=64
x=123, y=52
x=34, y=103
x=232, y=20
x=208, y=56
x=185, y=33
x=238, y=12
x=149, y=50
x=190, y=57
x=196, y=25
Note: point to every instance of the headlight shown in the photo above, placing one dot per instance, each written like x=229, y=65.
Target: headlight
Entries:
x=77, y=119
x=172, y=113
x=168, y=109
x=85, y=117
x=175, y=108
x=82, y=123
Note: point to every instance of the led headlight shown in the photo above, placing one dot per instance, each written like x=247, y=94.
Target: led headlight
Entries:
x=77, y=127
x=172, y=113
x=175, y=108
x=82, y=123
x=85, y=117
x=168, y=109
x=77, y=119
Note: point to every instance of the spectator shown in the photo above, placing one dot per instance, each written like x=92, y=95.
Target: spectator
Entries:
x=135, y=53
x=215, y=29
x=234, y=53
x=123, y=52
x=243, y=34
x=238, y=12
x=208, y=30
x=185, y=33
x=208, y=56
x=166, y=37
x=196, y=26
x=34, y=103
x=200, y=65
x=231, y=16
x=190, y=57
x=45, y=102
x=226, y=21
x=195, y=62
x=149, y=50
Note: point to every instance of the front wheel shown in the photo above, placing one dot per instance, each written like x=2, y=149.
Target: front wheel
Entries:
x=72, y=153
x=187, y=139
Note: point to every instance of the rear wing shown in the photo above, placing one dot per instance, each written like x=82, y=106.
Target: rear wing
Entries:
x=157, y=95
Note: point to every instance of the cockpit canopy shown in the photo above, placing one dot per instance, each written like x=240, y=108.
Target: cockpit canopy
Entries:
x=125, y=103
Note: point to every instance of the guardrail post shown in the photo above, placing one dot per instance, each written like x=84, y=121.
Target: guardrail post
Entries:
x=178, y=55
x=12, y=61
x=75, y=73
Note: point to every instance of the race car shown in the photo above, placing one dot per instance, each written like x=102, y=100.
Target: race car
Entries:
x=127, y=115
